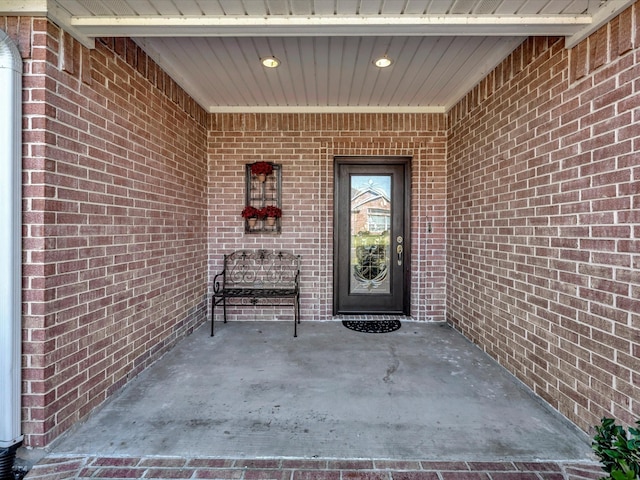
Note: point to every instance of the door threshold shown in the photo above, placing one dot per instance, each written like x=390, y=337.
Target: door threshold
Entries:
x=372, y=316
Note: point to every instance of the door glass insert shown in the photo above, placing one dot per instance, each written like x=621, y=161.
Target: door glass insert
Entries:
x=370, y=239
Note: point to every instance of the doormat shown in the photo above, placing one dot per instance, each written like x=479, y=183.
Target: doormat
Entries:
x=372, y=326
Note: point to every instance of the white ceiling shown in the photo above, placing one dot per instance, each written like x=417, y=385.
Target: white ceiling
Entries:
x=440, y=48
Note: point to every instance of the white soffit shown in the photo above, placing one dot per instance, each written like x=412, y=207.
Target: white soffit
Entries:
x=440, y=48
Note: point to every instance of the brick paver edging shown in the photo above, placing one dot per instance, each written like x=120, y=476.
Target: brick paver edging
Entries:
x=59, y=468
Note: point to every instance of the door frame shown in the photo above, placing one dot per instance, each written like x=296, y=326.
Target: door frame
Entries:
x=404, y=161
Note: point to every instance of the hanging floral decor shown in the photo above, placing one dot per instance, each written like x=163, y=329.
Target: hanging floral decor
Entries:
x=261, y=170
x=271, y=211
x=251, y=212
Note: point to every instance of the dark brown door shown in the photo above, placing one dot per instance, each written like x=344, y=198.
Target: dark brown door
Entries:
x=371, y=256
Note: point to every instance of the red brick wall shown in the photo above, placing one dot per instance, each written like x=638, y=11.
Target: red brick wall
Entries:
x=132, y=193
x=305, y=145
x=115, y=233
x=543, y=220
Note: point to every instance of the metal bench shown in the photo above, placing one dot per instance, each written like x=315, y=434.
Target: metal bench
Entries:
x=258, y=277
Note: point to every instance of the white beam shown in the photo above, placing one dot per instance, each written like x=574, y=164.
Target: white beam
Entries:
x=466, y=25
x=27, y=8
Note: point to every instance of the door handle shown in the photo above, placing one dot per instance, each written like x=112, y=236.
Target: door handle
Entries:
x=399, y=251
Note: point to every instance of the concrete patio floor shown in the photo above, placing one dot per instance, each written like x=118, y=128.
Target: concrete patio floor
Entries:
x=422, y=395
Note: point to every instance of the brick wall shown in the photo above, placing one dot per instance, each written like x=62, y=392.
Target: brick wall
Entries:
x=305, y=145
x=543, y=220
x=132, y=193
x=115, y=233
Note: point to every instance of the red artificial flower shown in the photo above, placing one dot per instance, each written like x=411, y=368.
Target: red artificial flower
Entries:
x=262, y=168
x=250, y=212
x=271, y=211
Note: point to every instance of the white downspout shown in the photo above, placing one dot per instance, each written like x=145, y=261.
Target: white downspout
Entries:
x=10, y=242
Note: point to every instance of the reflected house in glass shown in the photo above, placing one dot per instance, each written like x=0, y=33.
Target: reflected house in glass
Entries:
x=370, y=209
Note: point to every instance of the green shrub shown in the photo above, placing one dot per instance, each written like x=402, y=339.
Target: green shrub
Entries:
x=618, y=450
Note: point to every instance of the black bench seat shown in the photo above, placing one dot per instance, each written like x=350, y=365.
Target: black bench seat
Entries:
x=254, y=276
x=260, y=292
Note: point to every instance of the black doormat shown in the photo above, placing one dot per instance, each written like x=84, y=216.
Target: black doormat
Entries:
x=372, y=326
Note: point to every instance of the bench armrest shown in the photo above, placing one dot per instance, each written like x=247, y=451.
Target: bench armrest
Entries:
x=218, y=282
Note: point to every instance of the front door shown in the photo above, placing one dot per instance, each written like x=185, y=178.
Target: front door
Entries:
x=371, y=256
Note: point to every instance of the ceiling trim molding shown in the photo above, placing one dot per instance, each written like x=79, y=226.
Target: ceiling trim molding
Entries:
x=326, y=109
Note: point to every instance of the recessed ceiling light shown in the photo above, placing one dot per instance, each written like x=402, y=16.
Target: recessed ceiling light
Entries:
x=382, y=62
x=270, y=62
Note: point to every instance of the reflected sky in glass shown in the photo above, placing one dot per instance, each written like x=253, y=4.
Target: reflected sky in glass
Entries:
x=360, y=182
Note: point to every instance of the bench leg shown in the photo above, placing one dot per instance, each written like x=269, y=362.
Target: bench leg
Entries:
x=213, y=312
x=296, y=315
x=214, y=302
x=224, y=308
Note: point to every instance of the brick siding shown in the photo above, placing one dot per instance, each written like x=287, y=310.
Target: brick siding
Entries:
x=543, y=200
x=115, y=232
x=306, y=145
x=132, y=193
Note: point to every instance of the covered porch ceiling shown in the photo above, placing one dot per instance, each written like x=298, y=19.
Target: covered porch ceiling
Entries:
x=440, y=49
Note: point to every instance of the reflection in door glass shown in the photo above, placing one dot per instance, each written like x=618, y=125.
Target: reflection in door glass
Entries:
x=370, y=234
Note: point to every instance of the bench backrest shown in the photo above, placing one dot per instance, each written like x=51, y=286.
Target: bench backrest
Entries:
x=261, y=269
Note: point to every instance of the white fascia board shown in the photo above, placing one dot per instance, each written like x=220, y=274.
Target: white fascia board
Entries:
x=27, y=8
x=465, y=25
